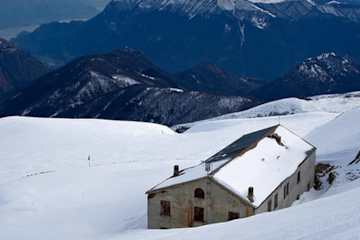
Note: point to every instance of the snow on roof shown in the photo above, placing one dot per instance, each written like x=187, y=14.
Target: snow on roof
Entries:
x=188, y=175
x=264, y=167
x=242, y=144
x=262, y=160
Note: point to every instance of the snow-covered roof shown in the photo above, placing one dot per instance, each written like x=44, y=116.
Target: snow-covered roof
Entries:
x=262, y=160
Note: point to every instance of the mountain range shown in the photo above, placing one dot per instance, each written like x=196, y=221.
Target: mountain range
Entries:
x=324, y=74
x=259, y=39
x=122, y=84
x=125, y=84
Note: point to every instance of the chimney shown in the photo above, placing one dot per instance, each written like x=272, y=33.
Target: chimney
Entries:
x=207, y=167
x=176, y=171
x=251, y=194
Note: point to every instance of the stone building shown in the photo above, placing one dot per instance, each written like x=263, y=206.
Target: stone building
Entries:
x=262, y=171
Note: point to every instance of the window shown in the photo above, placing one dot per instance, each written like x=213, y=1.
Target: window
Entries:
x=165, y=208
x=284, y=191
x=298, y=197
x=309, y=186
x=233, y=215
x=269, y=205
x=287, y=189
x=198, y=214
x=276, y=201
x=199, y=193
x=298, y=177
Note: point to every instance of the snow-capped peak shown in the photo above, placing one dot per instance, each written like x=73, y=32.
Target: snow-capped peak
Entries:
x=326, y=55
x=191, y=8
x=327, y=66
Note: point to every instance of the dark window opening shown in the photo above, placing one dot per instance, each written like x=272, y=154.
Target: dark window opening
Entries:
x=165, y=208
x=269, y=205
x=299, y=177
x=287, y=189
x=309, y=186
x=298, y=197
x=233, y=216
x=276, y=201
x=199, y=193
x=151, y=195
x=198, y=214
x=284, y=191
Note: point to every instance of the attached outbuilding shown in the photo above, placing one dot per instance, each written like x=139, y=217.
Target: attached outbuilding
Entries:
x=262, y=171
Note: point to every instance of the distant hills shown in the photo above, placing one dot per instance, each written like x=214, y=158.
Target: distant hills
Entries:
x=324, y=74
x=122, y=84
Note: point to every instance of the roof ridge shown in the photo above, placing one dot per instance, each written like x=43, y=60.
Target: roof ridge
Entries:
x=222, y=154
x=213, y=172
x=245, y=150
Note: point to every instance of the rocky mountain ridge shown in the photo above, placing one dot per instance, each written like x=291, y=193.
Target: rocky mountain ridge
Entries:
x=122, y=84
x=326, y=73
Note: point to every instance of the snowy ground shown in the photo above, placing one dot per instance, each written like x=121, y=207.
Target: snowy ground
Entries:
x=335, y=103
x=47, y=190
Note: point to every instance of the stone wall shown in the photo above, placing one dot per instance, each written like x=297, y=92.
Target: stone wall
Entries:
x=217, y=204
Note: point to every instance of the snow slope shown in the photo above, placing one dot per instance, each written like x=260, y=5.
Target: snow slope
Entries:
x=335, y=103
x=322, y=218
x=316, y=220
x=47, y=190
x=338, y=137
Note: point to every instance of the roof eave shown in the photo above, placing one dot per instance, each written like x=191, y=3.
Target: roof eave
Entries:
x=154, y=189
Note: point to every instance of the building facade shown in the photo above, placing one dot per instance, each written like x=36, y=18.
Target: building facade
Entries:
x=198, y=196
